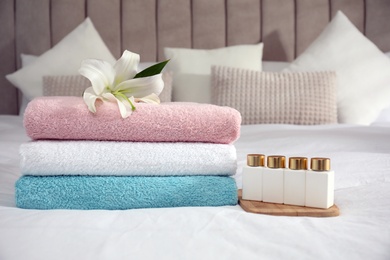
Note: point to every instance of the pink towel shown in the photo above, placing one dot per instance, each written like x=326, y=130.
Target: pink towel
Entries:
x=69, y=118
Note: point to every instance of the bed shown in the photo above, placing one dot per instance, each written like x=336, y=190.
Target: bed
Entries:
x=354, y=130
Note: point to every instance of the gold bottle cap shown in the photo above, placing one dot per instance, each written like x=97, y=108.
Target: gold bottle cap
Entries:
x=276, y=161
x=320, y=164
x=297, y=163
x=255, y=160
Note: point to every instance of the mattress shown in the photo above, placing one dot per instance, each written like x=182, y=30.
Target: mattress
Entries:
x=360, y=158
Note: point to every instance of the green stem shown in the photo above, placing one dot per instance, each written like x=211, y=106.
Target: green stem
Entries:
x=117, y=93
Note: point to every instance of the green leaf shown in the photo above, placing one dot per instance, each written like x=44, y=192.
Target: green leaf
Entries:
x=152, y=70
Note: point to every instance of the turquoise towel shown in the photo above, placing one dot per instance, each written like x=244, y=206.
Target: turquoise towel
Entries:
x=127, y=192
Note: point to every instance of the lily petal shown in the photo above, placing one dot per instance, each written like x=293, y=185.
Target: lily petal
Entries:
x=141, y=87
x=150, y=99
x=125, y=107
x=99, y=72
x=90, y=99
x=126, y=67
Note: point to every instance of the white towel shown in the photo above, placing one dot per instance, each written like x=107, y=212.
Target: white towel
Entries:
x=126, y=158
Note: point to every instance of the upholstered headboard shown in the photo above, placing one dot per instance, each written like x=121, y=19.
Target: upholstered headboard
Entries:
x=286, y=27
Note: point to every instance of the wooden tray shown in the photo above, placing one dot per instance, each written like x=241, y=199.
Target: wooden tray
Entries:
x=285, y=210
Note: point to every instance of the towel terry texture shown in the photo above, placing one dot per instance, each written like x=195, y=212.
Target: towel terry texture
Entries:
x=69, y=118
x=167, y=155
x=126, y=158
x=114, y=193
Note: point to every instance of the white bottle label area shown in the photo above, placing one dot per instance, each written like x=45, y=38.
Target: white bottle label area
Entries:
x=294, y=187
x=273, y=185
x=319, y=189
x=252, y=183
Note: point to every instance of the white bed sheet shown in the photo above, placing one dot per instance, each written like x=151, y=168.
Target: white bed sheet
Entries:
x=361, y=160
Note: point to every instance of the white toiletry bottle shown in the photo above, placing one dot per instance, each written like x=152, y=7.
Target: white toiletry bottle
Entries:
x=252, y=177
x=319, y=184
x=295, y=181
x=273, y=179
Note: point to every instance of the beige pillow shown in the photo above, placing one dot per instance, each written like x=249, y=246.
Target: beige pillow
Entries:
x=74, y=85
x=65, y=85
x=305, y=98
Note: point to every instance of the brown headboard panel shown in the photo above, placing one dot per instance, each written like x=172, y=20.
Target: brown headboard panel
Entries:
x=286, y=27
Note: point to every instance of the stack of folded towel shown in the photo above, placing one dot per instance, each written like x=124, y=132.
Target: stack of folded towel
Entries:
x=167, y=155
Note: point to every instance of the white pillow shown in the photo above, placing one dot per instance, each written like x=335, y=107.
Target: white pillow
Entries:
x=63, y=59
x=384, y=116
x=192, y=88
x=363, y=71
x=27, y=59
x=192, y=68
x=274, y=66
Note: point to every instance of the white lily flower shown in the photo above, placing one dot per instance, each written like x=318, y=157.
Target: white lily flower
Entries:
x=117, y=83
